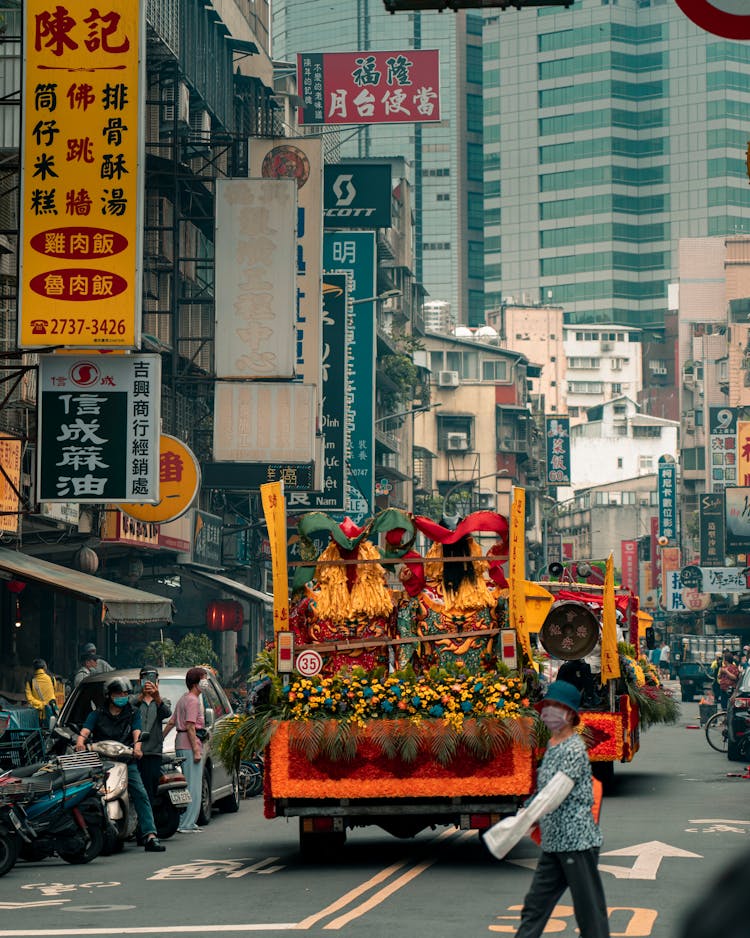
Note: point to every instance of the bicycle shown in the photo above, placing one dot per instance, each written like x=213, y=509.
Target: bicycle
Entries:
x=717, y=731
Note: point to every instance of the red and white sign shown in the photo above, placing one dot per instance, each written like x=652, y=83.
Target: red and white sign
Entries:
x=508, y=639
x=727, y=18
x=309, y=663
x=629, y=552
x=369, y=87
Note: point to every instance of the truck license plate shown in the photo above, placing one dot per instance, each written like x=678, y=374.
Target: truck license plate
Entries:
x=180, y=796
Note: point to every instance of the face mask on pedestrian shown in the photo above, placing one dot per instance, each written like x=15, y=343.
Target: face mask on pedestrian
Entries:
x=555, y=718
x=119, y=701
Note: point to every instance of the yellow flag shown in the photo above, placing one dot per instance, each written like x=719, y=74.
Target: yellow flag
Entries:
x=274, y=509
x=610, y=657
x=517, y=571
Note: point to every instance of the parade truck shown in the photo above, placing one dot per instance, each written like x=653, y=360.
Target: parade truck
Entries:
x=403, y=682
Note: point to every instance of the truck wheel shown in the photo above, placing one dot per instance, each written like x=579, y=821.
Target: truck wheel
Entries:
x=8, y=850
x=605, y=773
x=320, y=846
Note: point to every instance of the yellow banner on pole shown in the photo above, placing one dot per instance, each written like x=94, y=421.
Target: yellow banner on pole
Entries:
x=517, y=571
x=610, y=657
x=274, y=509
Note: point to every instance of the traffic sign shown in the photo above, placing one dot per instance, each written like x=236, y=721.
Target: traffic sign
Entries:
x=726, y=18
x=309, y=663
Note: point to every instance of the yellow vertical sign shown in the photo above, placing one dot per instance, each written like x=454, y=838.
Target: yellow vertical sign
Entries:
x=274, y=509
x=81, y=174
x=743, y=453
x=517, y=570
x=610, y=656
x=10, y=483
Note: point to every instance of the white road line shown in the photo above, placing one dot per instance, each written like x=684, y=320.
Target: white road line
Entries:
x=148, y=930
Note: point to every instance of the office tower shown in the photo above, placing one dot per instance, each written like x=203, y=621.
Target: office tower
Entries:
x=445, y=159
x=612, y=130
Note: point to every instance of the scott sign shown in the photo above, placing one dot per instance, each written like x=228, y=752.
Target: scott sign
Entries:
x=357, y=195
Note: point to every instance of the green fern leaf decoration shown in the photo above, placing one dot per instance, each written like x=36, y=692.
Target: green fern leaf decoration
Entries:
x=442, y=740
x=384, y=735
x=496, y=734
x=408, y=741
x=471, y=737
x=306, y=736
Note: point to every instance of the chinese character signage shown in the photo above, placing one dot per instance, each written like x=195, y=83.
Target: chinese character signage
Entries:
x=10, y=483
x=558, y=450
x=737, y=515
x=369, y=87
x=668, y=500
x=99, y=426
x=671, y=598
x=354, y=254
x=357, y=195
x=80, y=278
x=256, y=221
x=711, y=514
x=722, y=447
x=724, y=580
x=179, y=482
x=207, y=539
x=301, y=159
x=629, y=572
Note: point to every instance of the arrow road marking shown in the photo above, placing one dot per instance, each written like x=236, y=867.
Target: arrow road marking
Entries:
x=648, y=859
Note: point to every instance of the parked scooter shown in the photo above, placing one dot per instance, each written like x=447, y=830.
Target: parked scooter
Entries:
x=172, y=797
x=53, y=808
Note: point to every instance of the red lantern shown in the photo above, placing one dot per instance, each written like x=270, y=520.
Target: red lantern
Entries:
x=15, y=586
x=224, y=615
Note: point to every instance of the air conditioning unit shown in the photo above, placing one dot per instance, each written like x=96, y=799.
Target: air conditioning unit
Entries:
x=607, y=346
x=175, y=105
x=200, y=128
x=457, y=442
x=487, y=501
x=689, y=423
x=448, y=379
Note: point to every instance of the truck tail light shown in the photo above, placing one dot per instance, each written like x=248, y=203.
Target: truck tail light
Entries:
x=741, y=703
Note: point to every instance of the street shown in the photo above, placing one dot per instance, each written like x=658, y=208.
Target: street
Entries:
x=672, y=822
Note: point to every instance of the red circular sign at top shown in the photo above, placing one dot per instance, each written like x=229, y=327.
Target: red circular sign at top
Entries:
x=720, y=22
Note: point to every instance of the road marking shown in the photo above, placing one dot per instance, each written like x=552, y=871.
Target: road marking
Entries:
x=648, y=859
x=204, y=869
x=148, y=930
x=8, y=906
x=639, y=925
x=365, y=887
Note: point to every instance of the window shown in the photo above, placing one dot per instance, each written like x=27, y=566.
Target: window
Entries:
x=645, y=463
x=453, y=424
x=646, y=433
x=494, y=370
x=619, y=462
x=474, y=112
x=474, y=162
x=585, y=387
x=442, y=171
x=475, y=210
x=443, y=197
x=584, y=362
x=476, y=259
x=474, y=66
x=617, y=388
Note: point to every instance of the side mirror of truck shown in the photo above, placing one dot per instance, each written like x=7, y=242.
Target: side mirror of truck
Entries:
x=650, y=638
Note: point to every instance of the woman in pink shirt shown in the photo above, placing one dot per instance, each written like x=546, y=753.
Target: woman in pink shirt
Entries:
x=188, y=718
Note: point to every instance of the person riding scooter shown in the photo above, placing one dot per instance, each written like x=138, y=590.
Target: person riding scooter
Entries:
x=118, y=720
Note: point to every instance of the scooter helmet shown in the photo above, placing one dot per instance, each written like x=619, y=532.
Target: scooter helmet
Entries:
x=116, y=686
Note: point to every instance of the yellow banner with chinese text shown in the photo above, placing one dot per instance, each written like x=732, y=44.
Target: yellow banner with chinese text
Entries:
x=81, y=175
x=10, y=483
x=274, y=509
x=610, y=655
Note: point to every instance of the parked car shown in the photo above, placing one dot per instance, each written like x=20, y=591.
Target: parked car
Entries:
x=738, y=720
x=220, y=788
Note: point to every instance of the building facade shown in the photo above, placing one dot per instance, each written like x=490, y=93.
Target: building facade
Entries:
x=603, y=363
x=612, y=130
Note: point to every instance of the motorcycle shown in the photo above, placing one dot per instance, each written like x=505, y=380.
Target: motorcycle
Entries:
x=53, y=808
x=172, y=795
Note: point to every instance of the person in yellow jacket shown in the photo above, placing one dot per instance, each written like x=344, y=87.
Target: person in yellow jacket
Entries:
x=40, y=691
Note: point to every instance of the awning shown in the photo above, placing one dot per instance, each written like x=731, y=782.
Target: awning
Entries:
x=120, y=604
x=228, y=585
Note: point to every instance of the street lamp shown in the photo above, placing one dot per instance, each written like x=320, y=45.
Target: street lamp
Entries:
x=381, y=298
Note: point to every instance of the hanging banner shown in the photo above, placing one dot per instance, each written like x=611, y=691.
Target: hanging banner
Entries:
x=301, y=159
x=667, y=500
x=558, y=450
x=671, y=584
x=517, y=571
x=274, y=510
x=722, y=428
x=743, y=453
x=99, y=428
x=81, y=175
x=711, y=527
x=357, y=195
x=610, y=657
x=369, y=87
x=629, y=562
x=10, y=483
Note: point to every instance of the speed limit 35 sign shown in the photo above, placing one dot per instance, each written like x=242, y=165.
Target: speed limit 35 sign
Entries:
x=727, y=18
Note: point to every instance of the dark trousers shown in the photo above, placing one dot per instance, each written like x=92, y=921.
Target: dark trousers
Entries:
x=150, y=768
x=555, y=873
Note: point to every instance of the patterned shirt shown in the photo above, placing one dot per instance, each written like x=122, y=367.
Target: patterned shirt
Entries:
x=572, y=825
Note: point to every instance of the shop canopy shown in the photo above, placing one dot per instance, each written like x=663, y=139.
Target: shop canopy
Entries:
x=227, y=585
x=120, y=604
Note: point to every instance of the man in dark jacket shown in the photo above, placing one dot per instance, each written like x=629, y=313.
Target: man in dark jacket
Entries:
x=118, y=720
x=153, y=711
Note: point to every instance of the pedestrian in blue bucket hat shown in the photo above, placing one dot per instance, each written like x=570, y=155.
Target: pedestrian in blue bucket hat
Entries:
x=570, y=836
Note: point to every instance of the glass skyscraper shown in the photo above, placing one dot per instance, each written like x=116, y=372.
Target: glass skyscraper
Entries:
x=611, y=130
x=445, y=159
